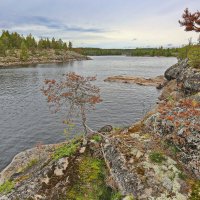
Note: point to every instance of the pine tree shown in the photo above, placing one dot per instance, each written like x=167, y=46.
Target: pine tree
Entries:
x=23, y=52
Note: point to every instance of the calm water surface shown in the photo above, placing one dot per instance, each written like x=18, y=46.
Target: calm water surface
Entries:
x=25, y=118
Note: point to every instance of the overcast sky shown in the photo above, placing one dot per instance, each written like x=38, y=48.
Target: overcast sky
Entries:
x=100, y=23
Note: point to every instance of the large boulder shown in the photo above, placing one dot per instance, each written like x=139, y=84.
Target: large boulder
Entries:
x=105, y=129
x=186, y=76
x=173, y=72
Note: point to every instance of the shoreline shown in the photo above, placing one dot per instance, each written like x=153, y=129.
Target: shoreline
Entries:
x=145, y=160
x=39, y=58
x=29, y=63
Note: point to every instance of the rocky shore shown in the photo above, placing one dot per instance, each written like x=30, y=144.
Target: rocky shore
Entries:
x=156, y=81
x=41, y=57
x=156, y=158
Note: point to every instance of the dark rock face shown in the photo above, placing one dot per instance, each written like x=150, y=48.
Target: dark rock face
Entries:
x=185, y=75
x=173, y=72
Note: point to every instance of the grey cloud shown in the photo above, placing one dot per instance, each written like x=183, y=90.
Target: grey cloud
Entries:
x=47, y=22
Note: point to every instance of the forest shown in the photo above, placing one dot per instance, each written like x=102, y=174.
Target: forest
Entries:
x=11, y=41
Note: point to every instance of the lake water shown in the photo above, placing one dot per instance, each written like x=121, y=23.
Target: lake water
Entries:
x=25, y=118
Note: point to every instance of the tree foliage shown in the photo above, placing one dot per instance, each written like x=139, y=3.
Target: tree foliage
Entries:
x=194, y=56
x=11, y=41
x=23, y=52
x=129, y=52
x=70, y=45
x=75, y=94
x=191, y=21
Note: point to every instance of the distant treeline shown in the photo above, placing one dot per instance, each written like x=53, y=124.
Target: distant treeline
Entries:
x=10, y=41
x=102, y=52
x=129, y=52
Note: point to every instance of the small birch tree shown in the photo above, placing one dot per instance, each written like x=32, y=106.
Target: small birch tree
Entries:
x=75, y=94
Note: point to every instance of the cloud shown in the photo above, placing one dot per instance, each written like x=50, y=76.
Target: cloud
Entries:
x=48, y=23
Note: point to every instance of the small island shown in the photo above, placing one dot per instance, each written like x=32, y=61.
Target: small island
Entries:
x=15, y=50
x=156, y=81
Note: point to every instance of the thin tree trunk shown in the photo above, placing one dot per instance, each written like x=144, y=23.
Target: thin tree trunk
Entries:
x=83, y=116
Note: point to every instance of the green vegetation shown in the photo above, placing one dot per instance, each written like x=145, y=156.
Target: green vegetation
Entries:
x=192, y=52
x=102, y=52
x=11, y=41
x=29, y=165
x=66, y=150
x=117, y=128
x=182, y=176
x=169, y=145
x=154, y=52
x=23, y=52
x=6, y=187
x=194, y=56
x=157, y=157
x=90, y=183
x=97, y=138
x=195, y=195
x=116, y=196
x=183, y=52
x=32, y=163
x=129, y=52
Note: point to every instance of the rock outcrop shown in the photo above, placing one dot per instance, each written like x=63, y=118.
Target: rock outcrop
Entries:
x=177, y=119
x=156, y=81
x=186, y=76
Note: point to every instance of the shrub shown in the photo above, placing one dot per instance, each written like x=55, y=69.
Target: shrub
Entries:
x=194, y=56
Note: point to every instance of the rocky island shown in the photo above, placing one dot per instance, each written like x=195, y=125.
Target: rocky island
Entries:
x=156, y=158
x=156, y=81
x=41, y=57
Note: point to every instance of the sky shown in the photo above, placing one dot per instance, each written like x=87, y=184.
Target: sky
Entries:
x=101, y=23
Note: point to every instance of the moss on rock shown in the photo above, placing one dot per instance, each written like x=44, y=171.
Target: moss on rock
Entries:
x=6, y=187
x=90, y=184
